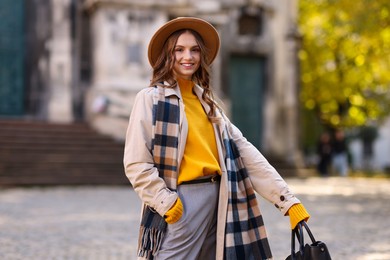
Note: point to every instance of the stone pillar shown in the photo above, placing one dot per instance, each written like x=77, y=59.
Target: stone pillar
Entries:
x=60, y=64
x=282, y=104
x=291, y=98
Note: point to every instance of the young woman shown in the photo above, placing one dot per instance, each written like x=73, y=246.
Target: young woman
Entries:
x=192, y=168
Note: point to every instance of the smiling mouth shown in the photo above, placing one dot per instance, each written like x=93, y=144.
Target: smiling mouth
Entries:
x=187, y=65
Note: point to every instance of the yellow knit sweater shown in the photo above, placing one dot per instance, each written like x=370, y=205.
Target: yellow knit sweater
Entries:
x=200, y=153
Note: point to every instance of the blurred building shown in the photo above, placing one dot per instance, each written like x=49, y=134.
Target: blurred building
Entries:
x=70, y=61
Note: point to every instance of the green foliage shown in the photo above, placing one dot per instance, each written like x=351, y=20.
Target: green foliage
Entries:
x=345, y=60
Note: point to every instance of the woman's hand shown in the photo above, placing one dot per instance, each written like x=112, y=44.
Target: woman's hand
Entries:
x=297, y=213
x=174, y=213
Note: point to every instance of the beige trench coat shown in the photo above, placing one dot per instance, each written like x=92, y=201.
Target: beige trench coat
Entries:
x=144, y=177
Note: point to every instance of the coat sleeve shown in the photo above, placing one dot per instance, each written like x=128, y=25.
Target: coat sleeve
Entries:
x=265, y=179
x=138, y=158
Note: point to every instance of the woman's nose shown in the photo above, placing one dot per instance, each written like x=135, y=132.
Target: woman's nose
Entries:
x=187, y=54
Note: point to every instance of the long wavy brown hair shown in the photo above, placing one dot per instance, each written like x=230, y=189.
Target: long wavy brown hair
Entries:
x=163, y=68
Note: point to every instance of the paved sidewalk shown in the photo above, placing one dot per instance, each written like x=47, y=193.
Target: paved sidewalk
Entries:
x=350, y=215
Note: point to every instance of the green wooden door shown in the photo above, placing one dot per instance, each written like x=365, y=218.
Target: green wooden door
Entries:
x=247, y=83
x=11, y=57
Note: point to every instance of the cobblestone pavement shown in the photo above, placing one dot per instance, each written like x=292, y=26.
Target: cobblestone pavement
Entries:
x=350, y=215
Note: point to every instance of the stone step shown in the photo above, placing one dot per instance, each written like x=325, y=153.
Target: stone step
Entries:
x=41, y=153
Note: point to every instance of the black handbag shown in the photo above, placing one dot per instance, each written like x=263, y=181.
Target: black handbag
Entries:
x=315, y=251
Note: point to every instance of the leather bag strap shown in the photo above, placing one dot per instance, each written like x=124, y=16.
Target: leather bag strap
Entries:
x=308, y=231
x=298, y=232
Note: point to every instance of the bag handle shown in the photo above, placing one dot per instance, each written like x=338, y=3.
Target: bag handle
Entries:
x=303, y=223
x=317, y=250
x=298, y=231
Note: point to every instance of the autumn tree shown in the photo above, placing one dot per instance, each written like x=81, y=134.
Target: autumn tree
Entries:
x=345, y=61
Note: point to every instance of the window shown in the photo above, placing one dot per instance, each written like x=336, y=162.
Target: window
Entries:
x=134, y=52
x=250, y=22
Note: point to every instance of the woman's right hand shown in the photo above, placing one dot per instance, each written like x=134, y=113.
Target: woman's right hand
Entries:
x=174, y=213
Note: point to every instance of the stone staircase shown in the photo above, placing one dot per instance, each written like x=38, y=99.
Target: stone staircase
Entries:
x=39, y=153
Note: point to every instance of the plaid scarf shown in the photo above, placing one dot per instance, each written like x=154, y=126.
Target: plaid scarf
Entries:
x=245, y=236
x=166, y=116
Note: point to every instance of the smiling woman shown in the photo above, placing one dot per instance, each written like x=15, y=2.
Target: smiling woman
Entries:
x=187, y=56
x=191, y=167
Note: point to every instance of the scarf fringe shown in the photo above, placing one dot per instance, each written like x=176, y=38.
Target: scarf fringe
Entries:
x=150, y=243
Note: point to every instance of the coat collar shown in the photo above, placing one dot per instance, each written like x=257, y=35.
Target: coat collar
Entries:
x=175, y=91
x=169, y=91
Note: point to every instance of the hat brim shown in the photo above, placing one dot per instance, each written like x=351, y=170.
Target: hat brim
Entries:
x=208, y=33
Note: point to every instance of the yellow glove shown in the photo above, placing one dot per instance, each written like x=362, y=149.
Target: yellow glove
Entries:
x=297, y=213
x=175, y=212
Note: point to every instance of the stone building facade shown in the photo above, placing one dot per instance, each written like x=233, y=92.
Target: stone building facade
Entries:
x=83, y=60
x=90, y=59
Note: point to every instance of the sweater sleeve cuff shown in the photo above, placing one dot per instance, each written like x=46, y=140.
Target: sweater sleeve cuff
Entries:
x=297, y=213
x=174, y=213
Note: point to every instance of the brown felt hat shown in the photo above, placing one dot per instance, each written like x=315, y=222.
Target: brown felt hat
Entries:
x=208, y=33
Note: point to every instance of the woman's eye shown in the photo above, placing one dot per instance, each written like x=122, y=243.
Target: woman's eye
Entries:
x=178, y=50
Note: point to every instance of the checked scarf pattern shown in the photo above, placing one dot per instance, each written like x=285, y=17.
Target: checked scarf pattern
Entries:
x=245, y=235
x=166, y=116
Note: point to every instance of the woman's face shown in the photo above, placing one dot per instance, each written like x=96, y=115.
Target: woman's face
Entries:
x=187, y=56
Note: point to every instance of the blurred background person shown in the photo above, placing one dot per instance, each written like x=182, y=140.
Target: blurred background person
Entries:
x=324, y=151
x=340, y=153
